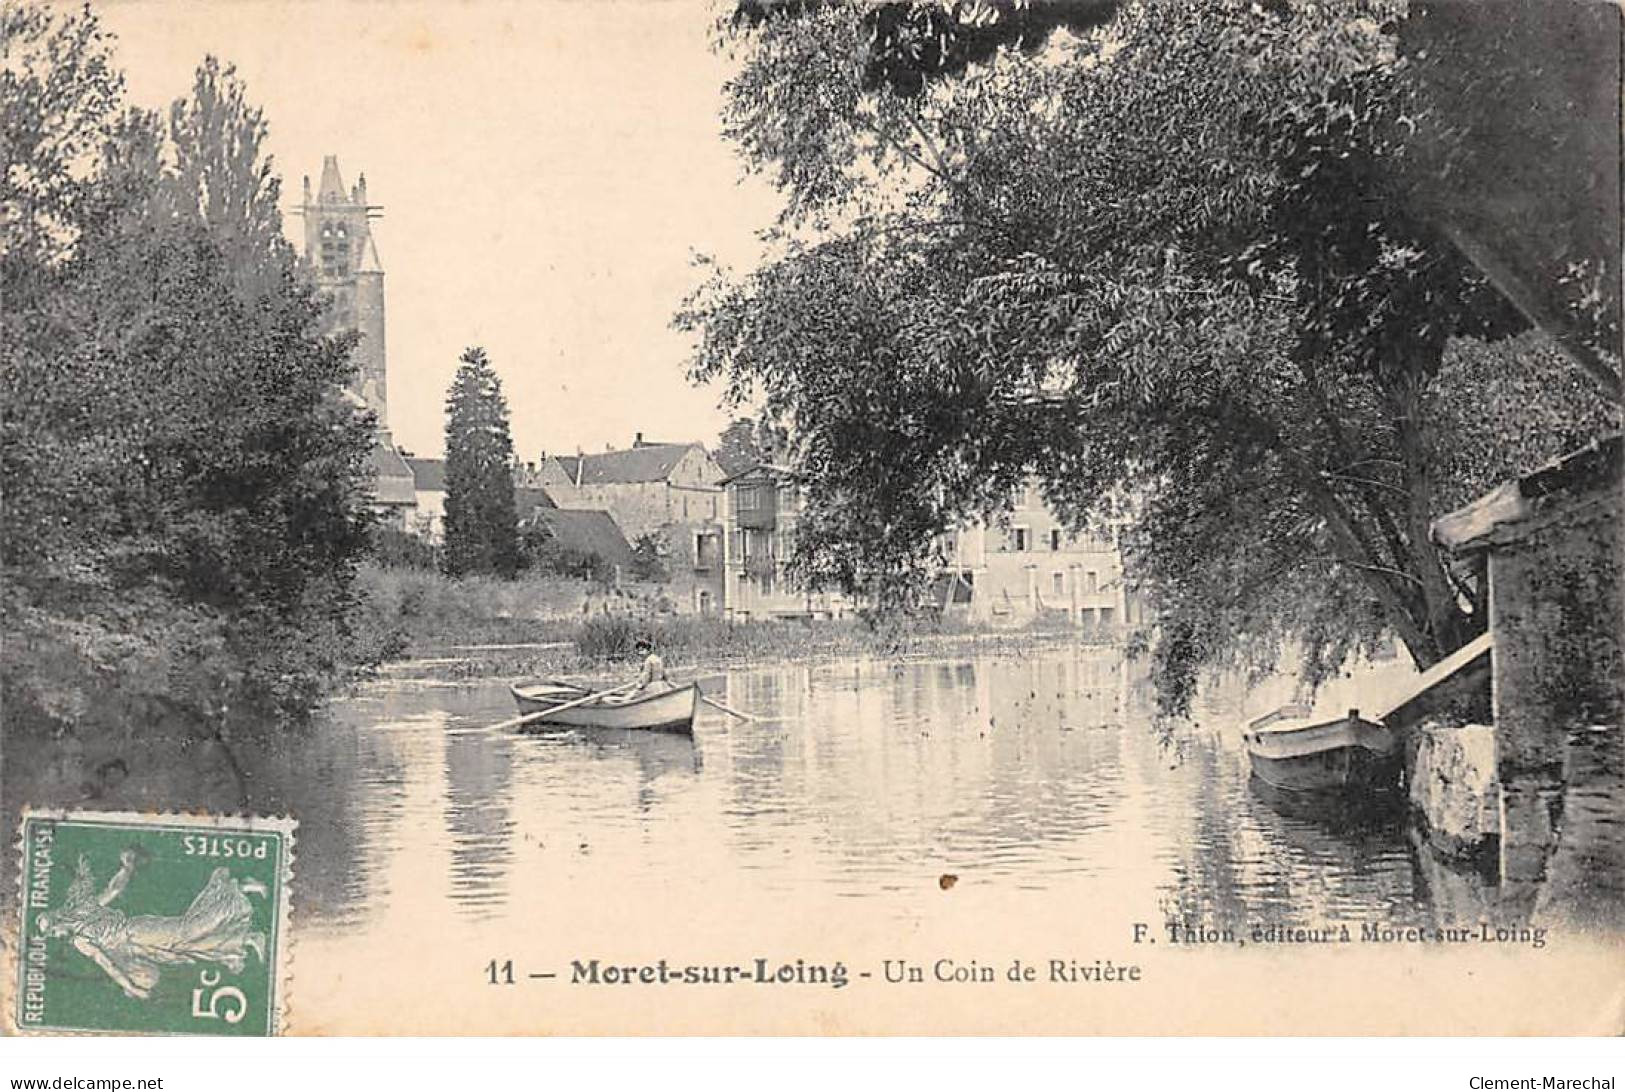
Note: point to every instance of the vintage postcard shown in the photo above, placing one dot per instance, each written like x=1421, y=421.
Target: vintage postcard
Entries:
x=815, y=517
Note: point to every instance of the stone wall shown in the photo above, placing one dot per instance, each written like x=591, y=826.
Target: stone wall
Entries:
x=1455, y=788
x=1556, y=612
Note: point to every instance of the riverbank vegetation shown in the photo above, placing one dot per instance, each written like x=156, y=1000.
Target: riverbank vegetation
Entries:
x=185, y=486
x=421, y=622
x=1170, y=261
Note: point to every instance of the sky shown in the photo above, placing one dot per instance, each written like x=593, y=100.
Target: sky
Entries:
x=546, y=170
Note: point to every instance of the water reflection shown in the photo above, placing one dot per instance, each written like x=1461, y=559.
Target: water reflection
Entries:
x=864, y=779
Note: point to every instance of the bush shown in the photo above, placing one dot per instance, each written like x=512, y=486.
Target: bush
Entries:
x=396, y=549
x=649, y=555
x=541, y=553
x=609, y=636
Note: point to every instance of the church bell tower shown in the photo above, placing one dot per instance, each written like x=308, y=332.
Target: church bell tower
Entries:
x=339, y=246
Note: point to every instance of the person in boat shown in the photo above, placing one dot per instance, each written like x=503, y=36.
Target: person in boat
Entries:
x=652, y=676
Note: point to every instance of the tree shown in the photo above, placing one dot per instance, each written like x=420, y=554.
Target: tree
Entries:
x=482, y=527
x=186, y=491
x=650, y=552
x=1167, y=259
x=748, y=441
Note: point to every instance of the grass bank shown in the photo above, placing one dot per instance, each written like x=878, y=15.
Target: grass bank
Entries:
x=432, y=626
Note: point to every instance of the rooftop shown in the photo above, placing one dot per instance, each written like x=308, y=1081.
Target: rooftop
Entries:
x=587, y=530
x=642, y=463
x=429, y=475
x=1505, y=512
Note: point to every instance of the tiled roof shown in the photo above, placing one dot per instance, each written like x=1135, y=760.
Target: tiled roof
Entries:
x=647, y=463
x=429, y=474
x=393, y=481
x=589, y=530
x=528, y=498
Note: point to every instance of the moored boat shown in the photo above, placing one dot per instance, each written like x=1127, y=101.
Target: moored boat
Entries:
x=663, y=711
x=1289, y=750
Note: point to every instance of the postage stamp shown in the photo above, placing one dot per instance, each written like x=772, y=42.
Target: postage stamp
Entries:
x=153, y=924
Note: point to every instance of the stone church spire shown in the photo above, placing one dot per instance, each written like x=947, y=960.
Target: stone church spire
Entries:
x=339, y=245
x=340, y=249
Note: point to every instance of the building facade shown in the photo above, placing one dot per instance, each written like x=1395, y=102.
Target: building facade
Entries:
x=648, y=486
x=1033, y=567
x=763, y=504
x=341, y=252
x=670, y=490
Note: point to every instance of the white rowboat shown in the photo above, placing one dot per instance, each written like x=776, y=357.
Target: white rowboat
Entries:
x=663, y=711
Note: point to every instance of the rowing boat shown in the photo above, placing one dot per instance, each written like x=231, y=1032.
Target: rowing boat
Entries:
x=661, y=711
x=1290, y=751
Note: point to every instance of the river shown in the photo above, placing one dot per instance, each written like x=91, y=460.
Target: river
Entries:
x=875, y=808
x=862, y=780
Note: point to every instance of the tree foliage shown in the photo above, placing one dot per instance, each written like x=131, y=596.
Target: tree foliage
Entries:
x=651, y=553
x=482, y=526
x=1165, y=258
x=186, y=492
x=748, y=441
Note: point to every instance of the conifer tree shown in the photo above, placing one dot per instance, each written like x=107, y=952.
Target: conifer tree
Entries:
x=482, y=528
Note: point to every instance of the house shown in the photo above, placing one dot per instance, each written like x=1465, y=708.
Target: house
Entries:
x=583, y=532
x=671, y=490
x=394, y=496
x=648, y=486
x=549, y=475
x=762, y=505
x=1549, y=545
x=1033, y=566
x=429, y=494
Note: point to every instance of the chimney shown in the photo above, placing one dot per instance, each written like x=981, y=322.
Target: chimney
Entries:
x=637, y=440
x=581, y=459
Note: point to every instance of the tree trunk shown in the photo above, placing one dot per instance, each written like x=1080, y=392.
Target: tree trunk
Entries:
x=1446, y=626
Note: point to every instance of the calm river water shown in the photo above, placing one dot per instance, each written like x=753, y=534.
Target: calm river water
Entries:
x=973, y=809
x=864, y=781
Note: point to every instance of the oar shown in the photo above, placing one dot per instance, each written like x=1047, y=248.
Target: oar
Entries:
x=726, y=708
x=515, y=722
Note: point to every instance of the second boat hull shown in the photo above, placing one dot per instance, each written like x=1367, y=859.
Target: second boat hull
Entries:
x=1330, y=755
x=1342, y=768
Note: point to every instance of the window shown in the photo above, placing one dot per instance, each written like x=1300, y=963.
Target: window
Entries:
x=335, y=248
x=685, y=507
x=1058, y=583
x=1022, y=538
x=1092, y=582
x=745, y=498
x=1054, y=538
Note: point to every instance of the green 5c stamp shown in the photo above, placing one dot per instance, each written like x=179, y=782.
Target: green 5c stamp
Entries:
x=159, y=924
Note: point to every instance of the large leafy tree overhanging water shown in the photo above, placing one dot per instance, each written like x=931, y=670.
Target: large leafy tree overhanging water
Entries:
x=185, y=487
x=1164, y=258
